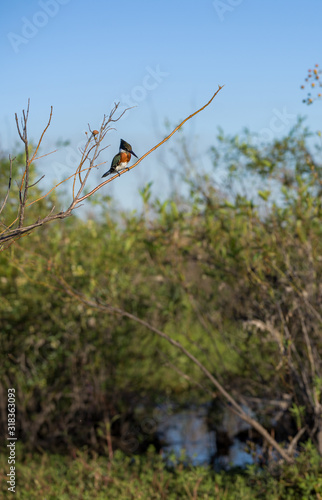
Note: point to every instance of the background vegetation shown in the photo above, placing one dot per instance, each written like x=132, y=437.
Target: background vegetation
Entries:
x=232, y=271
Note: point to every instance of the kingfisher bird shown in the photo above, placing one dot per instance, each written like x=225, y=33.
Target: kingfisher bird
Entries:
x=122, y=158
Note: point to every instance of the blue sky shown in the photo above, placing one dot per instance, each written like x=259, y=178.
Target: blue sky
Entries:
x=167, y=58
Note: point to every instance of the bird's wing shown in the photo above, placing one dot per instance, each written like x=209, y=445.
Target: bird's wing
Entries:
x=116, y=160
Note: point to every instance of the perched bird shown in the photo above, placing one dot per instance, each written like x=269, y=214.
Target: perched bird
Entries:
x=122, y=158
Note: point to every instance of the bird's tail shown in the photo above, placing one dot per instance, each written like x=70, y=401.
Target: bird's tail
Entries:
x=107, y=173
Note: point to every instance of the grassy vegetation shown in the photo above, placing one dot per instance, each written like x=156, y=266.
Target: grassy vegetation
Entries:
x=234, y=276
x=44, y=476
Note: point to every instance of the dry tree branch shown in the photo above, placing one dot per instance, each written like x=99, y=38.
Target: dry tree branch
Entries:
x=228, y=398
x=25, y=178
x=295, y=440
x=54, y=187
x=90, y=153
x=46, y=154
x=8, y=233
x=42, y=135
x=185, y=375
x=152, y=149
x=35, y=183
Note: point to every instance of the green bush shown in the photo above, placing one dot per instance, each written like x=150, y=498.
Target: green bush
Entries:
x=235, y=277
x=147, y=477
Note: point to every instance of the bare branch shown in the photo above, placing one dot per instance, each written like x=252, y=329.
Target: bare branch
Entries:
x=25, y=177
x=295, y=440
x=152, y=149
x=27, y=109
x=53, y=188
x=42, y=135
x=34, y=184
x=123, y=112
x=231, y=401
x=90, y=153
x=18, y=128
x=46, y=154
x=186, y=376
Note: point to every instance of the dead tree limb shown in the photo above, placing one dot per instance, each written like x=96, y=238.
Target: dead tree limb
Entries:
x=236, y=407
x=89, y=155
x=152, y=149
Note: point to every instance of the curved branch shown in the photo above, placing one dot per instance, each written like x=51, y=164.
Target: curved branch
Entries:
x=90, y=153
x=42, y=135
x=152, y=149
x=235, y=406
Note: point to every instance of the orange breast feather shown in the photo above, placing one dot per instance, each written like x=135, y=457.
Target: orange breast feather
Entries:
x=125, y=157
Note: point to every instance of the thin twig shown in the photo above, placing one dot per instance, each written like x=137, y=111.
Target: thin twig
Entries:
x=25, y=178
x=295, y=440
x=90, y=148
x=42, y=135
x=46, y=154
x=152, y=149
x=34, y=184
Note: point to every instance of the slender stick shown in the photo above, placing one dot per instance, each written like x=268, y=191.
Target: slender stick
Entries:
x=90, y=153
x=152, y=149
x=235, y=406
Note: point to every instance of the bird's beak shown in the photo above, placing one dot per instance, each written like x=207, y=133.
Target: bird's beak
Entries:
x=133, y=154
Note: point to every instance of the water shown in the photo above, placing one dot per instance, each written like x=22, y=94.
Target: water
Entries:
x=188, y=430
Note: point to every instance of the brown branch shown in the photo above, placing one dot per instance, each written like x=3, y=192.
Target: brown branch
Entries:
x=42, y=135
x=26, y=229
x=235, y=406
x=8, y=227
x=34, y=184
x=116, y=105
x=25, y=178
x=152, y=149
x=53, y=188
x=90, y=153
x=295, y=440
x=187, y=377
x=46, y=154
x=97, y=150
